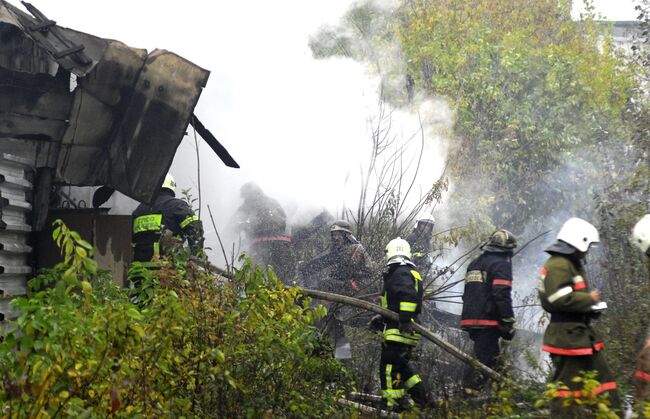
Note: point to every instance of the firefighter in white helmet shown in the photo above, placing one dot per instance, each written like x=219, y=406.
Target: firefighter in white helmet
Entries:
x=573, y=344
x=402, y=293
x=641, y=239
x=420, y=240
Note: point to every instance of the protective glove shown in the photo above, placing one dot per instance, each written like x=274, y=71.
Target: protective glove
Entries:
x=507, y=329
x=405, y=324
x=376, y=324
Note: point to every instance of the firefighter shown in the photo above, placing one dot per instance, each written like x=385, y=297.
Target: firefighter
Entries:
x=345, y=268
x=487, y=304
x=641, y=238
x=263, y=221
x=421, y=247
x=402, y=293
x=571, y=341
x=168, y=215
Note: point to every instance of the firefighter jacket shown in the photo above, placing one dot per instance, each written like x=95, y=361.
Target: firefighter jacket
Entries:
x=343, y=269
x=486, y=299
x=166, y=213
x=403, y=292
x=421, y=247
x=564, y=293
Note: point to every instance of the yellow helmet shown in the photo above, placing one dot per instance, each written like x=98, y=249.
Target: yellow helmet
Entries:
x=169, y=183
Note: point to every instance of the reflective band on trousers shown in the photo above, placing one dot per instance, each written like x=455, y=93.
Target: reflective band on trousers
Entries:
x=642, y=376
x=151, y=222
x=559, y=294
x=406, y=306
x=503, y=282
x=189, y=220
x=389, y=394
x=394, y=335
x=412, y=381
x=611, y=385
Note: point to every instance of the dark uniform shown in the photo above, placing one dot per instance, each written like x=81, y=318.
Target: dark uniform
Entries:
x=166, y=213
x=403, y=291
x=345, y=268
x=573, y=343
x=487, y=308
x=420, y=240
x=263, y=221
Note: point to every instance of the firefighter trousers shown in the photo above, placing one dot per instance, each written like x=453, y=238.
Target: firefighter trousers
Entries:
x=397, y=377
x=568, y=367
x=486, y=350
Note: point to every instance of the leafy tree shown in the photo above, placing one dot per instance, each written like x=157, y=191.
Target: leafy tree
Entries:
x=533, y=90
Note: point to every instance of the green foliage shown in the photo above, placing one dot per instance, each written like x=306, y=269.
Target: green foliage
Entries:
x=199, y=346
x=579, y=403
x=533, y=90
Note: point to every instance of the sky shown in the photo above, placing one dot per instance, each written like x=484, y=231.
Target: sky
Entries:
x=297, y=126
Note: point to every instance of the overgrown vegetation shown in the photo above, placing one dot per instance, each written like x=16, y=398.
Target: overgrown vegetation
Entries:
x=199, y=346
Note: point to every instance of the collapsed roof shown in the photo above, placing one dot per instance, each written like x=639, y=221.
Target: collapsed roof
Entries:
x=94, y=110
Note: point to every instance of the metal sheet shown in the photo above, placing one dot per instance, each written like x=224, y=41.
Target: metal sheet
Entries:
x=128, y=114
x=15, y=228
x=110, y=236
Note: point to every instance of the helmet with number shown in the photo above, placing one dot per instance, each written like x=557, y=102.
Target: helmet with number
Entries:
x=578, y=233
x=169, y=183
x=500, y=241
x=398, y=248
x=641, y=234
x=341, y=225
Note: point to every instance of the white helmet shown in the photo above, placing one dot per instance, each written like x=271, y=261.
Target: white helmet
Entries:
x=578, y=233
x=641, y=234
x=169, y=183
x=398, y=247
x=430, y=221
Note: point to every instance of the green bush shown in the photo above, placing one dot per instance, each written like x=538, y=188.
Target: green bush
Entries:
x=196, y=346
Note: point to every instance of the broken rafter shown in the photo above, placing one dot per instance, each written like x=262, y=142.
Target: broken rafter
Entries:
x=214, y=144
x=47, y=25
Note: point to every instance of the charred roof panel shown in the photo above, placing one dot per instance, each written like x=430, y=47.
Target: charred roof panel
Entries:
x=122, y=123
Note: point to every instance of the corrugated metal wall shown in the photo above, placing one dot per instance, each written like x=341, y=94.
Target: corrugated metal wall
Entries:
x=15, y=228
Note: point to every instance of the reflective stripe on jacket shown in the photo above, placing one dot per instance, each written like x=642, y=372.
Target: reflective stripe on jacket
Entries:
x=487, y=295
x=564, y=293
x=167, y=212
x=403, y=291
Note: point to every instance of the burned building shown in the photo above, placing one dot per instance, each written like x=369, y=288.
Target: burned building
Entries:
x=77, y=109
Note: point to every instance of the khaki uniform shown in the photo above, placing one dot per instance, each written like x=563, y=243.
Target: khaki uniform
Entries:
x=574, y=345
